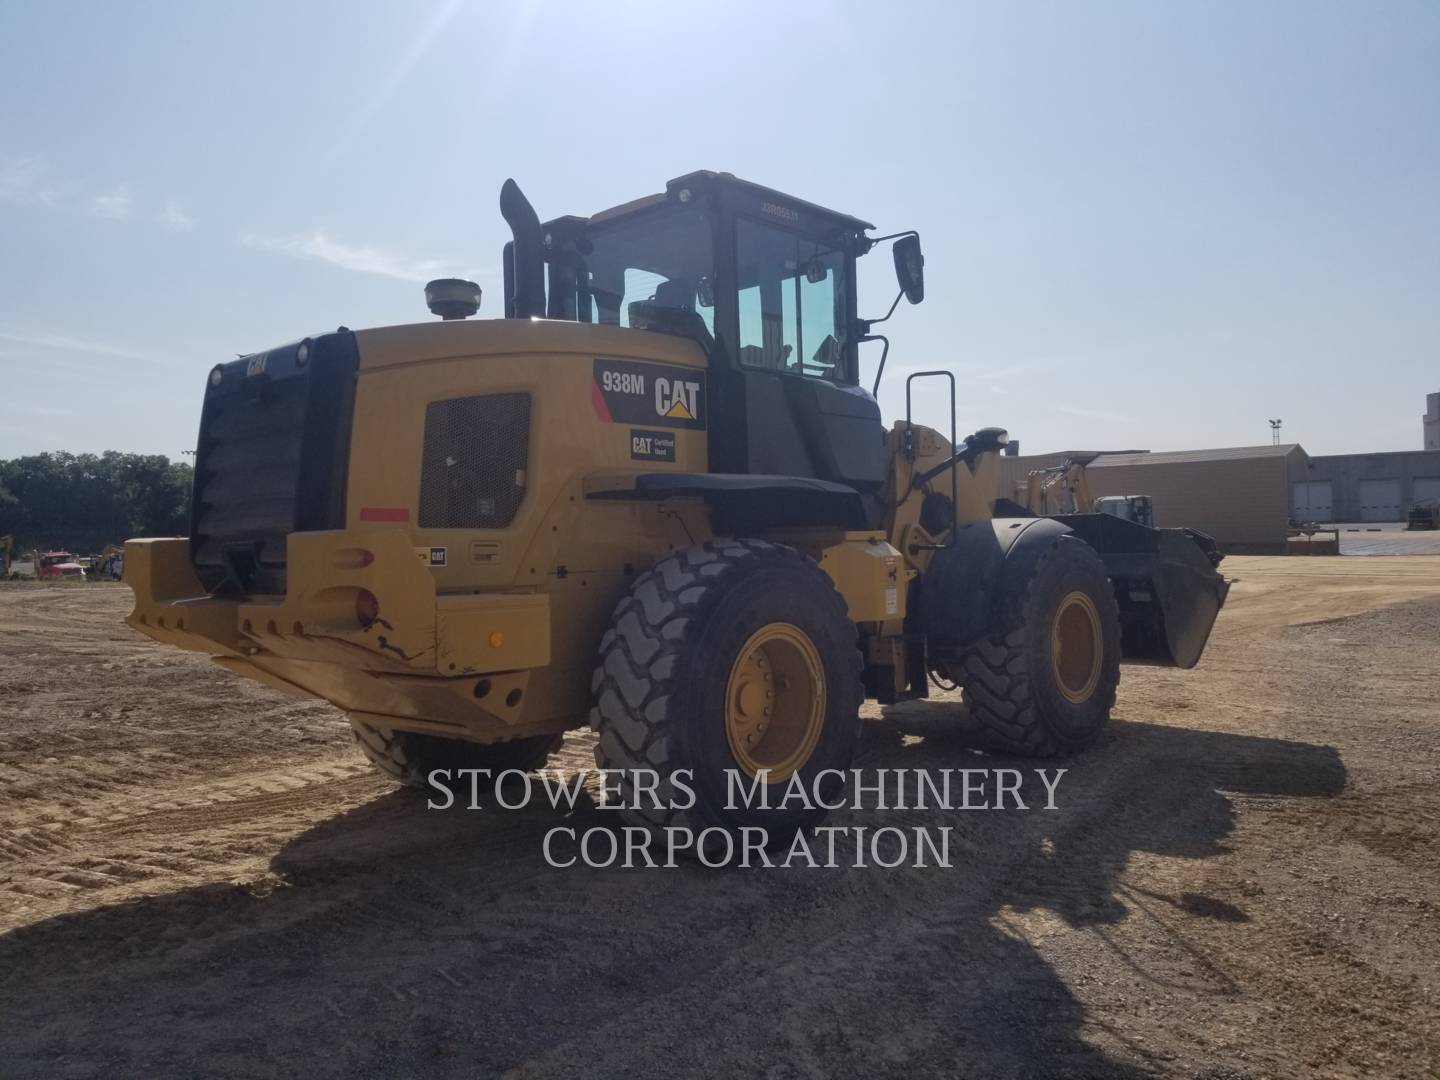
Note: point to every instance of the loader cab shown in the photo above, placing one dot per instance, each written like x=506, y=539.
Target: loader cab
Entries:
x=763, y=282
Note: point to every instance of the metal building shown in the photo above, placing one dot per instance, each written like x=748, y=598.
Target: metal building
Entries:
x=1239, y=495
x=1366, y=487
x=1246, y=496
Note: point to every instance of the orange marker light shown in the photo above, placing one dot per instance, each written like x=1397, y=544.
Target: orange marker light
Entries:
x=497, y=639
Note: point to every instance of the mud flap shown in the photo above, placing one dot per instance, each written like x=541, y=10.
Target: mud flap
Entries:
x=1166, y=585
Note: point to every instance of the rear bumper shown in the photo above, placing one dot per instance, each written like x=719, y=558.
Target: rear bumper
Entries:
x=453, y=664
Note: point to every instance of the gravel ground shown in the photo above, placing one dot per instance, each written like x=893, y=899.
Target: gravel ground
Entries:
x=199, y=876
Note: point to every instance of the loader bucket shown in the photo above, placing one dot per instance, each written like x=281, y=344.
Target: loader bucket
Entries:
x=1166, y=585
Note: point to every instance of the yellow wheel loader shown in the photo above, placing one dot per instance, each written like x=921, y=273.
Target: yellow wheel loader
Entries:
x=655, y=499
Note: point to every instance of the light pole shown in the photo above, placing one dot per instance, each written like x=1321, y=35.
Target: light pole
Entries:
x=1274, y=432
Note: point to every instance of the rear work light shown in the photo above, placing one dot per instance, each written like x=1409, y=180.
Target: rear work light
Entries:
x=367, y=607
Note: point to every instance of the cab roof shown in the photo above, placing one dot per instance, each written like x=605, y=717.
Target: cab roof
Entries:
x=704, y=178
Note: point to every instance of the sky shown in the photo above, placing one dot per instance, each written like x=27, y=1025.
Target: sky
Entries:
x=1146, y=225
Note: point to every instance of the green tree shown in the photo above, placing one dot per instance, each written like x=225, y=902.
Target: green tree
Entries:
x=84, y=501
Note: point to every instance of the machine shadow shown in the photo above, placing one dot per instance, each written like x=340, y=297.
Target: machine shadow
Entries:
x=395, y=940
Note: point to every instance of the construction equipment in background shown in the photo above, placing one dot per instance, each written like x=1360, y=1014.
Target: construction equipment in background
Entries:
x=1424, y=515
x=1137, y=508
x=109, y=563
x=1065, y=489
x=654, y=498
x=1057, y=489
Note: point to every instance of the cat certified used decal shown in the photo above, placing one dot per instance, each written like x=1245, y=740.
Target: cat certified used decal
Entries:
x=631, y=392
x=652, y=445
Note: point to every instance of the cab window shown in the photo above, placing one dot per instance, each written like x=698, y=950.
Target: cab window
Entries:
x=792, y=303
x=650, y=272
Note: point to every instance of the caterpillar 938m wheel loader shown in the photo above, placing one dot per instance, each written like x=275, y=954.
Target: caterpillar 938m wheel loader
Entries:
x=653, y=499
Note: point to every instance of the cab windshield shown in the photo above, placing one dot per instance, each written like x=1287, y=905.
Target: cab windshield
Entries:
x=653, y=269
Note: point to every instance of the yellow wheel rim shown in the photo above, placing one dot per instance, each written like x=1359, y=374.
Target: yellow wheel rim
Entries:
x=775, y=701
x=1076, y=647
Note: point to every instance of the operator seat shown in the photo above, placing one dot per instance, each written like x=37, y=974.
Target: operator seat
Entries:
x=672, y=311
x=774, y=354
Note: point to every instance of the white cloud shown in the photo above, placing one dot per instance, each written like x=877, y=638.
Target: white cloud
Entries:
x=27, y=181
x=43, y=339
x=29, y=408
x=175, y=219
x=23, y=181
x=366, y=260
x=113, y=205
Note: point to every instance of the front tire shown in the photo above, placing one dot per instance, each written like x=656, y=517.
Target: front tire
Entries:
x=1042, y=682
x=726, y=660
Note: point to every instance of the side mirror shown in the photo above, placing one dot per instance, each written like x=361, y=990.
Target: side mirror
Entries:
x=910, y=268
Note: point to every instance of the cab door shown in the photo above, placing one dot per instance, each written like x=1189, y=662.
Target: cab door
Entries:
x=795, y=359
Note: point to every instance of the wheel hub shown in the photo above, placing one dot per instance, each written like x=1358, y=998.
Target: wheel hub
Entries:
x=775, y=701
x=1076, y=647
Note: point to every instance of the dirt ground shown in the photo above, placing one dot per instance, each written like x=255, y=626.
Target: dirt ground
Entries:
x=199, y=876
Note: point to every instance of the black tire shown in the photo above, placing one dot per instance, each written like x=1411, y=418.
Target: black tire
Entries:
x=660, y=686
x=1018, y=697
x=408, y=758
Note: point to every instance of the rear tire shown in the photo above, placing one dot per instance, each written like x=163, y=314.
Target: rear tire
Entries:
x=1043, y=682
x=726, y=658
x=408, y=758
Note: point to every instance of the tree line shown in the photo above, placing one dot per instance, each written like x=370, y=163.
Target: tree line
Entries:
x=81, y=502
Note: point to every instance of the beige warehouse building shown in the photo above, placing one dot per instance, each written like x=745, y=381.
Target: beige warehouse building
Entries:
x=1239, y=495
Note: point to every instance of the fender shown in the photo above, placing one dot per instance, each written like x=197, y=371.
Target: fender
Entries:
x=979, y=580
x=747, y=503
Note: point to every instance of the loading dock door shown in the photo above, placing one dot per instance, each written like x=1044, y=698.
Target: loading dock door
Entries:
x=1380, y=500
x=1311, y=501
x=1425, y=489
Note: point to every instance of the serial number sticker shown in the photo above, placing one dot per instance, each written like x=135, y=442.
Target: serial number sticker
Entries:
x=652, y=445
x=892, y=600
x=631, y=392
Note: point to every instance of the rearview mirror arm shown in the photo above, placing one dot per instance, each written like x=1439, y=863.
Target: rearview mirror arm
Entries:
x=871, y=241
x=867, y=323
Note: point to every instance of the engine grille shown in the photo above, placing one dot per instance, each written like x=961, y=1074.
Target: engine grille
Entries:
x=477, y=450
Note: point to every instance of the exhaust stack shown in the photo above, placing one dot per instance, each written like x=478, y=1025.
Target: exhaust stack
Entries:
x=524, y=257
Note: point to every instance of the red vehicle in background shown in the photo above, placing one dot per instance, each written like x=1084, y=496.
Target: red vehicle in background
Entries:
x=58, y=564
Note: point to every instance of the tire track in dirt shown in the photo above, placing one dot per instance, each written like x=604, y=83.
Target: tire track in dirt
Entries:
x=1179, y=917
